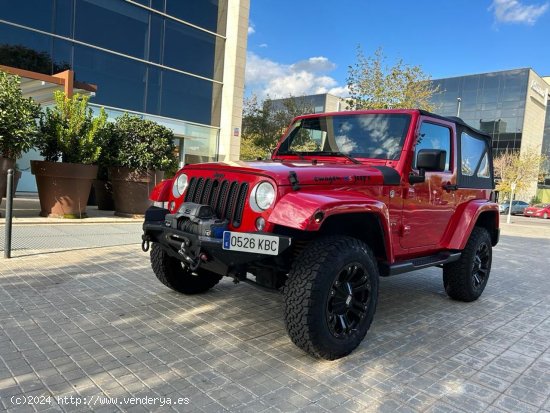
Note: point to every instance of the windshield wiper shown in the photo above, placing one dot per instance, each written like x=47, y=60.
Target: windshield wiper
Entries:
x=349, y=158
x=298, y=154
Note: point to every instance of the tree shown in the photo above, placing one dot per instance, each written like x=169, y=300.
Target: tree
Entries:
x=521, y=169
x=17, y=118
x=265, y=122
x=373, y=84
x=516, y=172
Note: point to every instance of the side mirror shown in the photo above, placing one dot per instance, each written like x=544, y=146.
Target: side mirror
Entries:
x=428, y=160
x=431, y=159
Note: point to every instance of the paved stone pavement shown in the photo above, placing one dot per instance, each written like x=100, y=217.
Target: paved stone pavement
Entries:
x=29, y=238
x=94, y=324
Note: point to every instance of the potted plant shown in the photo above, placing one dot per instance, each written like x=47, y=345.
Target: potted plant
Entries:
x=144, y=151
x=67, y=133
x=18, y=126
x=102, y=186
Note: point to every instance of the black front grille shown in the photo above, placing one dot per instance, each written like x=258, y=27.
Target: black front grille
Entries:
x=227, y=198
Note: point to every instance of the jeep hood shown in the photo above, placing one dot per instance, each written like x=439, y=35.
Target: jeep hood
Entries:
x=308, y=173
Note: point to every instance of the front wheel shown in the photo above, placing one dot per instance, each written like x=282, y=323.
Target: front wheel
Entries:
x=330, y=296
x=465, y=279
x=178, y=277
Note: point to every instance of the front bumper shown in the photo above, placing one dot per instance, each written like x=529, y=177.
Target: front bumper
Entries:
x=197, y=250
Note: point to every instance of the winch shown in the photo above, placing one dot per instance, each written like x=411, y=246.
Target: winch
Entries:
x=197, y=219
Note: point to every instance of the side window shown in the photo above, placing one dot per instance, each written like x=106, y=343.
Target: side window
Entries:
x=434, y=136
x=474, y=157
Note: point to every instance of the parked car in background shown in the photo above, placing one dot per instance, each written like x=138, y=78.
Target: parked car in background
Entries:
x=538, y=210
x=517, y=207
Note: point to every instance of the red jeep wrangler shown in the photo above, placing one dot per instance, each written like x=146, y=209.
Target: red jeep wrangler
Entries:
x=346, y=197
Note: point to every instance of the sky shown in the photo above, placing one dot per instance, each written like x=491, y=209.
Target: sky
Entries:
x=298, y=47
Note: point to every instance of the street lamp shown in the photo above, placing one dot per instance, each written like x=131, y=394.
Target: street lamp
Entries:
x=458, y=100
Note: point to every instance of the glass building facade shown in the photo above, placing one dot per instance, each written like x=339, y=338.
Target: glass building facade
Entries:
x=161, y=59
x=492, y=102
x=513, y=106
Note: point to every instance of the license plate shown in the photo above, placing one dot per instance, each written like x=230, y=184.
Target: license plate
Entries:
x=529, y=212
x=255, y=243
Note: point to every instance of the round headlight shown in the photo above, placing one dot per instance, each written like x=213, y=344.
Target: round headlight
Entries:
x=179, y=185
x=262, y=196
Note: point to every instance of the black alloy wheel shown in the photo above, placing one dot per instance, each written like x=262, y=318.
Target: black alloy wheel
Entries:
x=465, y=279
x=348, y=300
x=481, y=266
x=330, y=296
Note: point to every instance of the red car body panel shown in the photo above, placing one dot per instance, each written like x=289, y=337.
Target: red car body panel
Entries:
x=464, y=220
x=161, y=192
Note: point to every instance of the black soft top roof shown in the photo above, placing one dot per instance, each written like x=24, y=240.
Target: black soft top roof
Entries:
x=456, y=120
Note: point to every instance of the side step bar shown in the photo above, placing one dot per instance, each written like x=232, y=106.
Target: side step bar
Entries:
x=400, y=267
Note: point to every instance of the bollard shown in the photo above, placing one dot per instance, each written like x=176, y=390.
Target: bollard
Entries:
x=9, y=214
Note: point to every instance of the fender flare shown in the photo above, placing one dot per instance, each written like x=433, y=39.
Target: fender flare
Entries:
x=161, y=192
x=297, y=210
x=463, y=222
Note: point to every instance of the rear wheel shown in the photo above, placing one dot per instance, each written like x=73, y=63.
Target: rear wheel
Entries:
x=465, y=279
x=330, y=297
x=178, y=277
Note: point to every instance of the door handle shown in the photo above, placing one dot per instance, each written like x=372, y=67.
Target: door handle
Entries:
x=450, y=187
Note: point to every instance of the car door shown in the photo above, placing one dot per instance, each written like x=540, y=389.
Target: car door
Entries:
x=428, y=206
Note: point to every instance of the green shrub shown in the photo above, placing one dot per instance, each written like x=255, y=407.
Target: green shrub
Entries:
x=69, y=131
x=143, y=144
x=18, y=117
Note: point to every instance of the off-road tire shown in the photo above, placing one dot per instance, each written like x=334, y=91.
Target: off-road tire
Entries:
x=172, y=274
x=310, y=301
x=465, y=279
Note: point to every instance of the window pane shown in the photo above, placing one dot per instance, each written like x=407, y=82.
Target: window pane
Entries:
x=471, y=83
x=63, y=18
x=203, y=13
x=155, y=43
x=189, y=49
x=201, y=144
x=154, y=78
x=37, y=14
x=120, y=81
x=484, y=167
x=62, y=54
x=187, y=98
x=25, y=49
x=434, y=137
x=472, y=149
x=113, y=25
x=158, y=5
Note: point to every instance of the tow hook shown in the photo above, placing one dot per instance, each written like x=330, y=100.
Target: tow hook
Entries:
x=145, y=242
x=193, y=263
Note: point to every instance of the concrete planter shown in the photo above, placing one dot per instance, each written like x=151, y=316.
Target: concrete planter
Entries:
x=5, y=165
x=63, y=188
x=131, y=190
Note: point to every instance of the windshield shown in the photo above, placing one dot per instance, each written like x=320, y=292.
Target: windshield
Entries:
x=378, y=136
